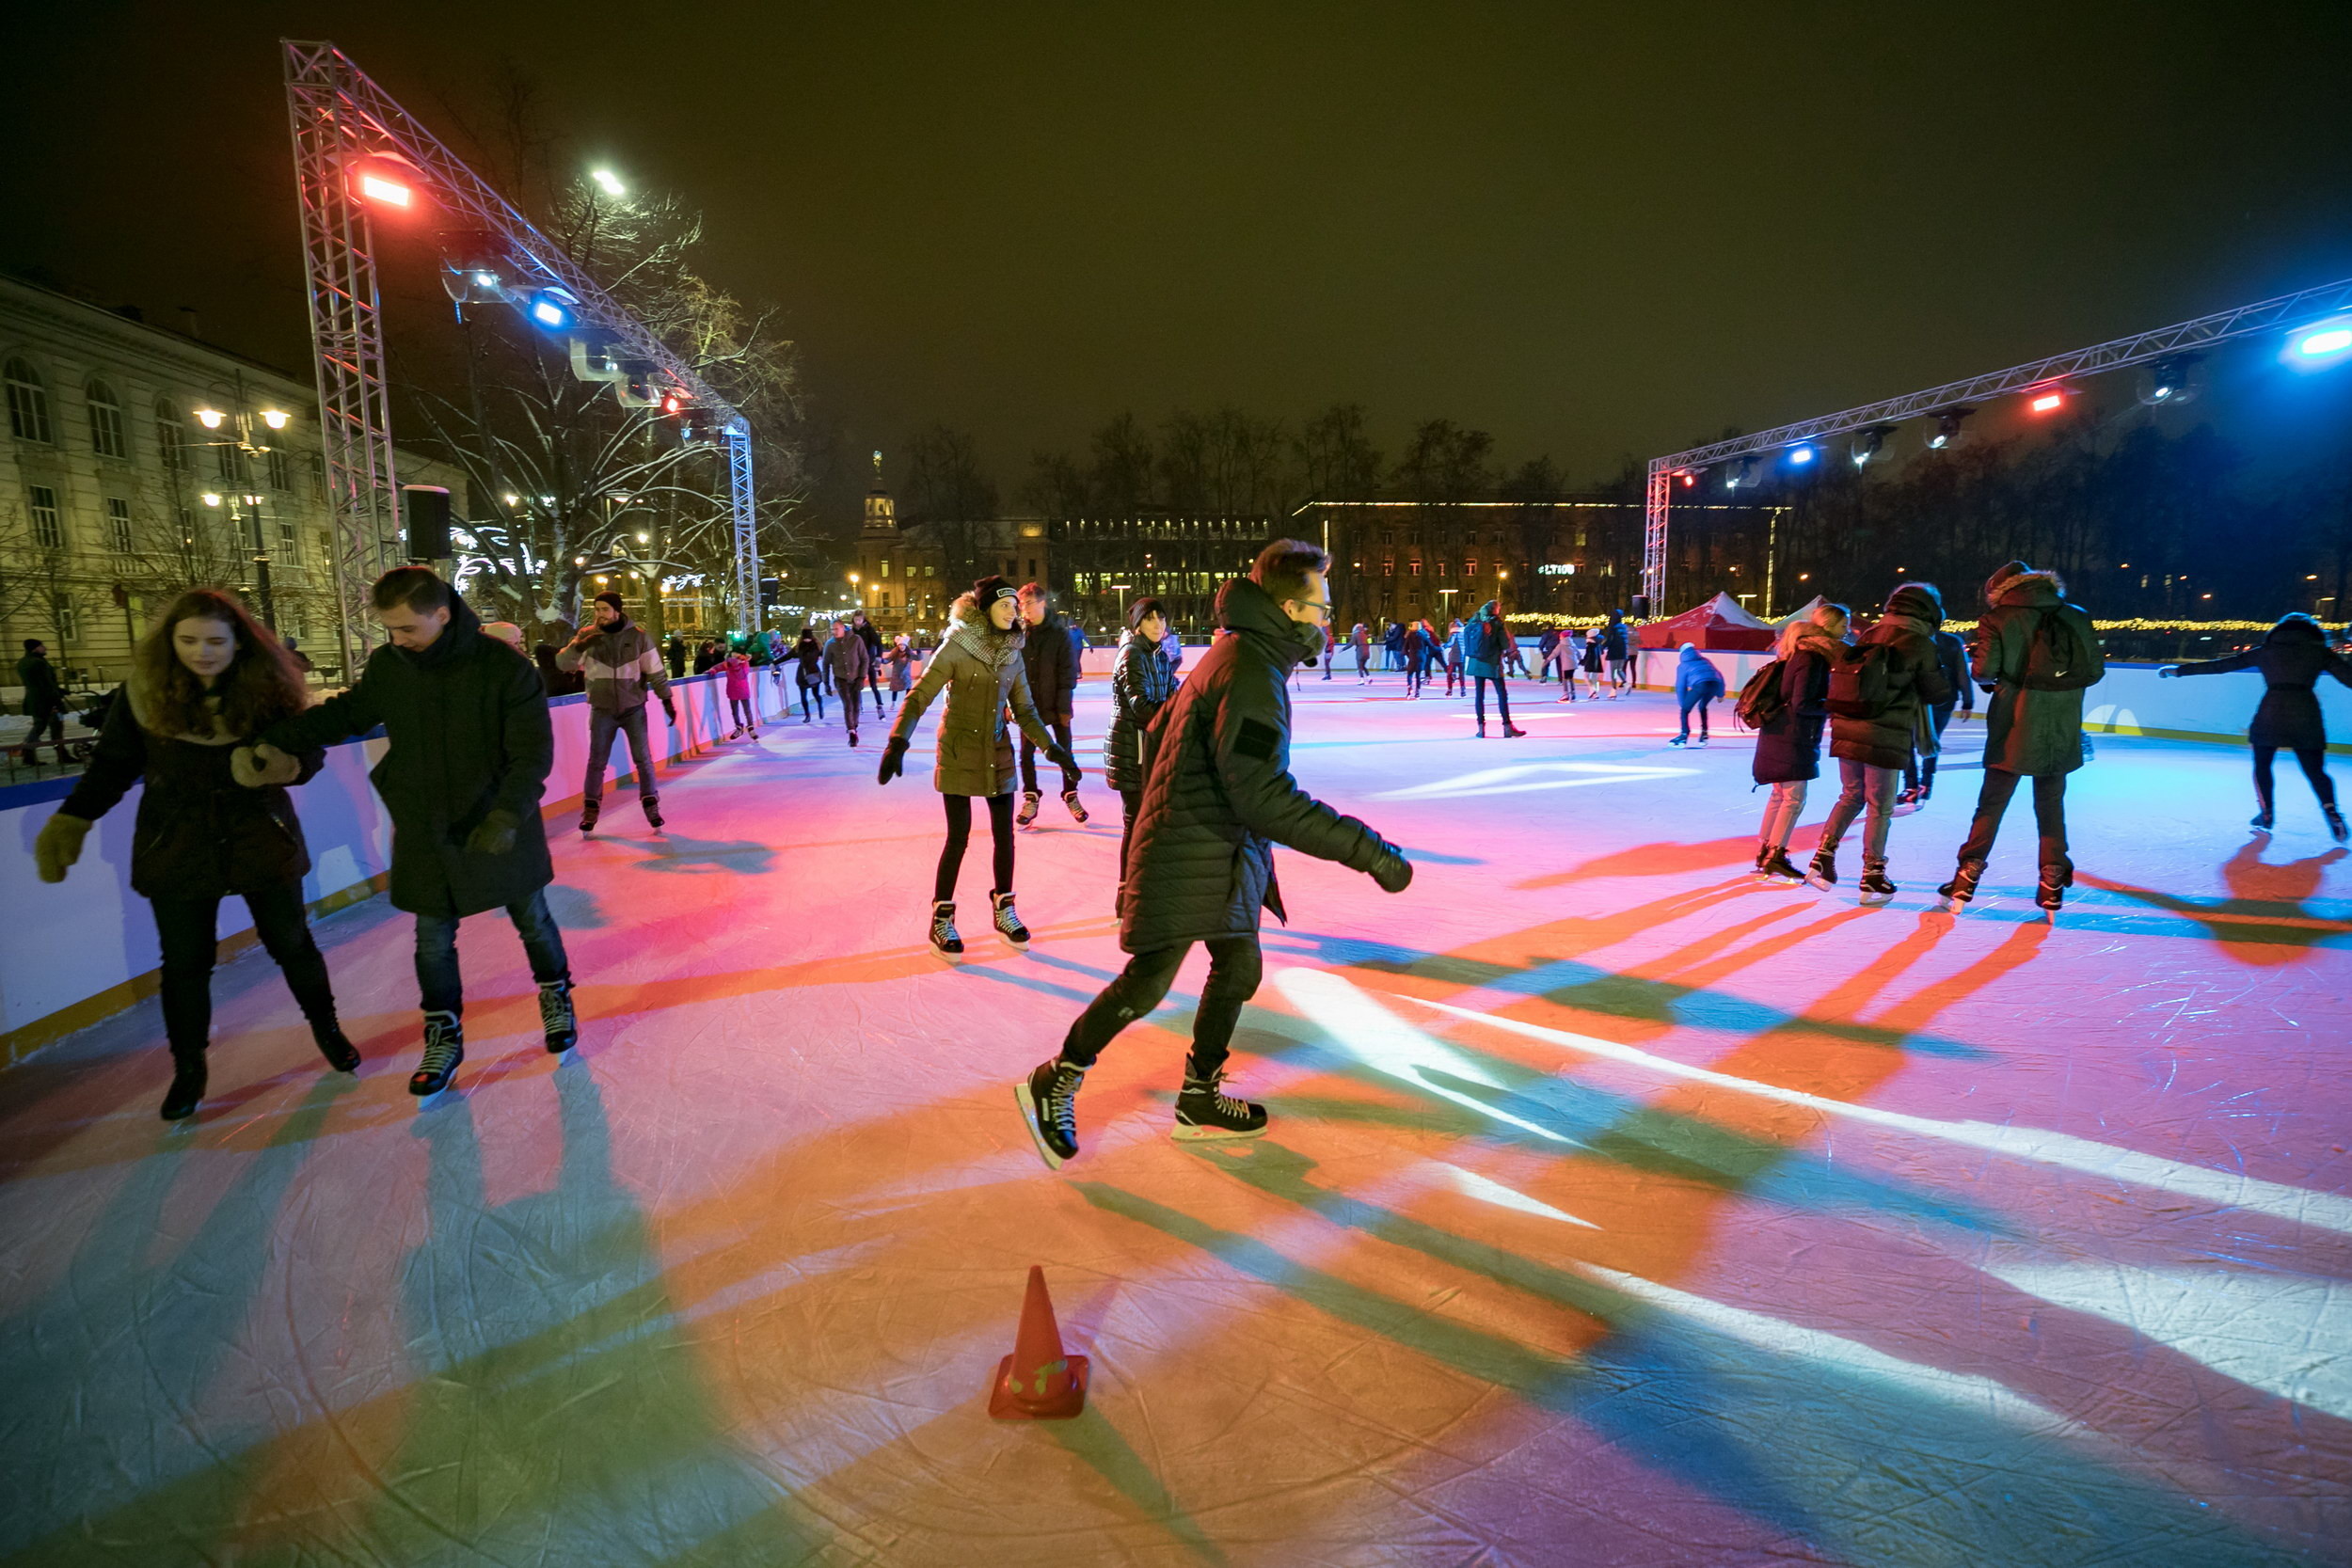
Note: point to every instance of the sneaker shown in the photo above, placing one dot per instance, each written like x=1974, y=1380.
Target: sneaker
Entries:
x=653, y=812
x=1204, y=1114
x=1048, y=1098
x=589, y=812
x=944, y=935
x=1777, y=868
x=444, y=1047
x=1077, y=812
x=1028, y=814
x=1008, y=923
x=1957, y=893
x=1822, y=873
x=558, y=1022
x=340, y=1052
x=188, y=1087
x=1874, y=887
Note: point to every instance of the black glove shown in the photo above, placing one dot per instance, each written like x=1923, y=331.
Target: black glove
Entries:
x=669, y=712
x=1393, y=871
x=494, y=835
x=1063, y=760
x=894, y=760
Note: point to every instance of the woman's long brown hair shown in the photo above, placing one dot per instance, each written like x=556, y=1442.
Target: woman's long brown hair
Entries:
x=260, y=687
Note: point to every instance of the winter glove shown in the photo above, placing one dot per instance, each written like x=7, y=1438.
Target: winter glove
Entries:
x=1063, y=760
x=258, y=767
x=60, y=844
x=494, y=835
x=894, y=760
x=669, y=711
x=1393, y=871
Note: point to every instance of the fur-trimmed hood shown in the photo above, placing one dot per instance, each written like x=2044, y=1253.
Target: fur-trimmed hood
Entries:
x=2018, y=584
x=966, y=620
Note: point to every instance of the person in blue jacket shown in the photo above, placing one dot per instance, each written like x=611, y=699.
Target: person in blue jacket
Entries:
x=1697, y=682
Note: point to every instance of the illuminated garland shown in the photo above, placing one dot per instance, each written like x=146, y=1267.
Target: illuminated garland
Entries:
x=1538, y=619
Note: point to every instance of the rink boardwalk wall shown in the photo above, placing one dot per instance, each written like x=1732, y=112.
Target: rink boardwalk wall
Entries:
x=78, y=951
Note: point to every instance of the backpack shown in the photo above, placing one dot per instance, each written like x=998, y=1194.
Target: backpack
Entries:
x=1762, y=700
x=1862, y=681
x=2056, y=661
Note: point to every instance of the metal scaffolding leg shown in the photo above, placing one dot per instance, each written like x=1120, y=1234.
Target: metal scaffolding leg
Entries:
x=347, y=336
x=1657, y=505
x=747, y=616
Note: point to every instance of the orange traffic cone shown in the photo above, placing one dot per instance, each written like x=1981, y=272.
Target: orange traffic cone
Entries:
x=1037, y=1382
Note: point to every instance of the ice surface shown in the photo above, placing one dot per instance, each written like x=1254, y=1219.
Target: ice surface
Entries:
x=1618, y=1209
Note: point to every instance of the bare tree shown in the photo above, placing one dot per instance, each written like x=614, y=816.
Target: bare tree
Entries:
x=1337, y=458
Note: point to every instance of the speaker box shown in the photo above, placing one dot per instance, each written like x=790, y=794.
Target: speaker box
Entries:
x=1641, y=606
x=425, y=517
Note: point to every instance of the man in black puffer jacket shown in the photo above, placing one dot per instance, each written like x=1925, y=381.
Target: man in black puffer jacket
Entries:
x=1217, y=799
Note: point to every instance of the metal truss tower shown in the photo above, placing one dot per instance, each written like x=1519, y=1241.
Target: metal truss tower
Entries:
x=2283, y=314
x=338, y=117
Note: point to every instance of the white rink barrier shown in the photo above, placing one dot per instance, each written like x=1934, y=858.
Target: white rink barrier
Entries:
x=85, y=948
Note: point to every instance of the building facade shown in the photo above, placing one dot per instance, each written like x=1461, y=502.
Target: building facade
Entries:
x=138, y=462
x=907, y=575
x=1103, y=564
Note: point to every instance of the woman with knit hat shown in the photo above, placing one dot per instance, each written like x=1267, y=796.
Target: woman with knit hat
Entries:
x=979, y=666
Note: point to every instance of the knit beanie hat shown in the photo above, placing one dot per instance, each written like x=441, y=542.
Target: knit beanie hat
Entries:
x=988, y=590
x=612, y=599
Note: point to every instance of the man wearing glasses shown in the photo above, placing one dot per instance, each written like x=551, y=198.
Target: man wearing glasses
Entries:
x=1217, y=796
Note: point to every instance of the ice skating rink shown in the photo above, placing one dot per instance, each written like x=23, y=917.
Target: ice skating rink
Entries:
x=1616, y=1210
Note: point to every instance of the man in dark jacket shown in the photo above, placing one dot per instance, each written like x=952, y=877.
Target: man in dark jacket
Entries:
x=2035, y=653
x=44, y=700
x=872, y=636
x=618, y=659
x=470, y=746
x=1218, y=797
x=847, y=660
x=1951, y=657
x=1872, y=747
x=1053, y=671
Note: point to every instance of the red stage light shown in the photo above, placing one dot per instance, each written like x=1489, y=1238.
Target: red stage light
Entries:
x=386, y=181
x=2047, y=402
x=672, y=403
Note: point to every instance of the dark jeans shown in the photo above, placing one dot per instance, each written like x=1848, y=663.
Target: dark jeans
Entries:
x=2049, y=816
x=601, y=726
x=1235, y=968
x=741, y=708
x=1502, y=701
x=807, y=686
x=1919, y=773
x=51, y=719
x=1028, y=759
x=852, y=700
x=1865, y=784
x=437, y=980
x=1698, y=704
x=189, y=932
x=959, y=833
x=1414, y=676
x=2314, y=768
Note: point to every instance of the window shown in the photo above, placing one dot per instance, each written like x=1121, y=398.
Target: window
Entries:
x=225, y=455
x=930, y=569
x=69, y=623
x=1416, y=568
x=1387, y=567
x=48, y=525
x=106, y=421
x=171, y=436
x=118, y=525
x=1469, y=567
x=885, y=565
x=280, y=471
x=28, y=404
x=289, y=539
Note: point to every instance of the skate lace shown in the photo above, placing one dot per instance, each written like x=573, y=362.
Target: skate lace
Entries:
x=442, y=1050
x=1214, y=1086
x=1061, y=1101
x=555, y=1006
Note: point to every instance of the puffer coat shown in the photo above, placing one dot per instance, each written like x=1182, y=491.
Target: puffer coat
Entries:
x=1219, y=795
x=468, y=721
x=1140, y=686
x=980, y=670
x=2026, y=730
x=1486, y=642
x=2292, y=658
x=200, y=833
x=1696, y=679
x=1053, y=668
x=1788, y=746
x=1915, y=677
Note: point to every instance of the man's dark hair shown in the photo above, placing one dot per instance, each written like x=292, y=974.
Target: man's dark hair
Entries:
x=1283, y=566
x=420, y=588
x=1147, y=606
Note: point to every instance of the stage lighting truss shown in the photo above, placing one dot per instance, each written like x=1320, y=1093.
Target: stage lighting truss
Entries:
x=356, y=151
x=2169, y=383
x=2317, y=321
x=1949, y=428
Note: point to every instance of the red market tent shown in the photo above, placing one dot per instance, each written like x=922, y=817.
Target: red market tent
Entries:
x=1718, y=625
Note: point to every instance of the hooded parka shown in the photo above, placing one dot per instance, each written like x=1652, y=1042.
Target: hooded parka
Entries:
x=2027, y=730
x=468, y=721
x=1486, y=642
x=199, y=834
x=2292, y=658
x=1220, y=796
x=980, y=670
x=1789, y=744
x=1915, y=677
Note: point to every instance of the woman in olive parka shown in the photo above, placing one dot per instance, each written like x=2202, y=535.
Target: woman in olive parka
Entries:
x=978, y=666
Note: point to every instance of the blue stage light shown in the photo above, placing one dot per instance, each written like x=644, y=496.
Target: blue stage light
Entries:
x=2327, y=341
x=1801, y=454
x=552, y=308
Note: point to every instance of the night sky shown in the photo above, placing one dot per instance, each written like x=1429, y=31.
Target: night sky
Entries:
x=1593, y=230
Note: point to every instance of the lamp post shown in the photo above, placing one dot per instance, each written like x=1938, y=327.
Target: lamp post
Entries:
x=240, y=420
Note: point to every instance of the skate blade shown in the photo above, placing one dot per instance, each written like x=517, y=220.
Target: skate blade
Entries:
x=1184, y=1132
x=1820, y=886
x=1027, y=1103
x=1875, y=900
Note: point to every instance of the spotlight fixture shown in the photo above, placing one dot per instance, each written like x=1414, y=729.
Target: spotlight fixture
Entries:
x=2045, y=400
x=553, y=308
x=1740, y=471
x=2175, y=380
x=1947, y=431
x=2321, y=345
x=1801, y=454
x=1868, y=442
x=385, y=181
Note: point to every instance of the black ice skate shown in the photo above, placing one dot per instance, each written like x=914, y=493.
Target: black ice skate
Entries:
x=1048, y=1098
x=1777, y=868
x=340, y=1054
x=1077, y=812
x=1874, y=887
x=2335, y=823
x=1028, y=814
x=1008, y=923
x=1822, y=873
x=944, y=935
x=1204, y=1116
x=558, y=1022
x=1957, y=893
x=2051, y=894
x=444, y=1047
x=653, y=812
x=589, y=812
x=2261, y=820
x=187, y=1086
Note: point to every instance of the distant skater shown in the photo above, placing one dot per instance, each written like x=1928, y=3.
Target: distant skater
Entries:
x=2291, y=658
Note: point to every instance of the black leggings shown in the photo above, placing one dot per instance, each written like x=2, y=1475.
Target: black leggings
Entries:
x=1502, y=701
x=2314, y=763
x=959, y=833
x=189, y=929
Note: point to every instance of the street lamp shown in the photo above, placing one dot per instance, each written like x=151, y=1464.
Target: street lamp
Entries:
x=239, y=422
